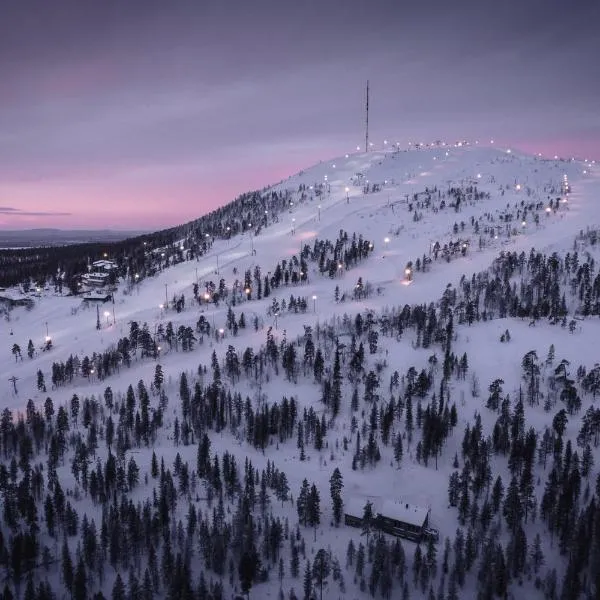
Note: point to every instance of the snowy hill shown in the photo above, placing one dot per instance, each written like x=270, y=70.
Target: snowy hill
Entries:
x=396, y=300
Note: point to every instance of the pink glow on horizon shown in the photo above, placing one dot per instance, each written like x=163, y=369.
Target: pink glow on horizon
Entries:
x=119, y=203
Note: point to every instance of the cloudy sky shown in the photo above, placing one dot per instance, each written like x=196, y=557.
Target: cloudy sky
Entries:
x=147, y=113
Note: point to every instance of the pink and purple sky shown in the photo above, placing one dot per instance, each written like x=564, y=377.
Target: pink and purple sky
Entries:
x=142, y=114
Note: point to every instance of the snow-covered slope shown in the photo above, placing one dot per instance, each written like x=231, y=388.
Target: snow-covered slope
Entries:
x=453, y=209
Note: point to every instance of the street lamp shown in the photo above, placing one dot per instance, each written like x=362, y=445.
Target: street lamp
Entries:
x=251, y=236
x=314, y=303
x=107, y=314
x=347, y=197
x=319, y=207
x=408, y=273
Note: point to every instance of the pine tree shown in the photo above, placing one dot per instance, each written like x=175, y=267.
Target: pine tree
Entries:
x=302, y=503
x=67, y=566
x=307, y=581
x=336, y=388
x=320, y=569
x=513, y=506
x=80, y=581
x=158, y=377
x=314, y=508
x=336, y=484
x=368, y=520
x=118, y=591
x=537, y=555
x=248, y=569
x=398, y=449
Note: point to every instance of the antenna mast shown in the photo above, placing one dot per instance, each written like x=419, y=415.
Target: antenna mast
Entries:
x=367, y=121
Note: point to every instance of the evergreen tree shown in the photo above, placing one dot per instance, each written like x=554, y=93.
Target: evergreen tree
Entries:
x=248, y=569
x=80, y=581
x=118, y=591
x=321, y=568
x=336, y=484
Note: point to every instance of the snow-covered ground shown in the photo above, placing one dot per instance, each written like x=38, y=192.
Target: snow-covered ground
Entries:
x=387, y=219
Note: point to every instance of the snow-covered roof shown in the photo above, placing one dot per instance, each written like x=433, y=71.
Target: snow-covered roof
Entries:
x=15, y=296
x=404, y=512
x=355, y=505
x=104, y=264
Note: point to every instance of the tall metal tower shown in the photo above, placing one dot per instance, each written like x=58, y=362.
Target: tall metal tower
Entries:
x=367, y=121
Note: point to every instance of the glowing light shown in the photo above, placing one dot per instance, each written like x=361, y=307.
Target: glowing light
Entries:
x=523, y=223
x=314, y=297
x=386, y=240
x=518, y=187
x=478, y=175
x=548, y=209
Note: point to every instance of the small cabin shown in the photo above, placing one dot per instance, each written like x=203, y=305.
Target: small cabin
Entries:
x=403, y=519
x=11, y=300
x=97, y=296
